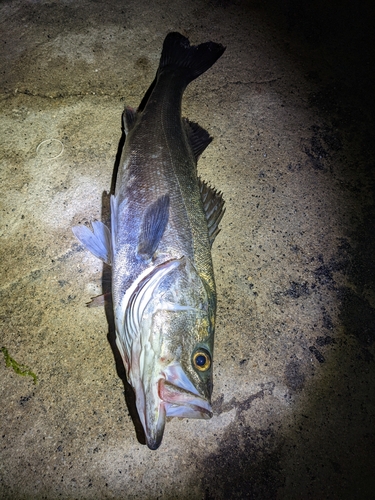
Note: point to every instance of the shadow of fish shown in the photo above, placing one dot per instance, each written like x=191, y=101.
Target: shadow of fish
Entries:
x=164, y=220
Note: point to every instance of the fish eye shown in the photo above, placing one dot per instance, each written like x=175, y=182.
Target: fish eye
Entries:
x=201, y=360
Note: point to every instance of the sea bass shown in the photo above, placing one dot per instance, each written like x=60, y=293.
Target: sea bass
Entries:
x=164, y=219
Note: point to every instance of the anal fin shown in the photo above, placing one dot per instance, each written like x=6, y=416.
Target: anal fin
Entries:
x=197, y=136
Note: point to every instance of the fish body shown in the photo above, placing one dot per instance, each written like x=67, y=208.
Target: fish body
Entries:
x=163, y=223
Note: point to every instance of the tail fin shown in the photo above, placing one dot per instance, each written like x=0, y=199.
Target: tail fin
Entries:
x=178, y=53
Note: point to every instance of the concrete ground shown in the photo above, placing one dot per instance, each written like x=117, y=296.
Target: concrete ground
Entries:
x=290, y=107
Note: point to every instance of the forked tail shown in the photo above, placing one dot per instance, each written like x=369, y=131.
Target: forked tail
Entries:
x=177, y=52
x=189, y=61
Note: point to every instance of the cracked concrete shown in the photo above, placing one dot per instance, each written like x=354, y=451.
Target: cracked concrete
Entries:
x=290, y=106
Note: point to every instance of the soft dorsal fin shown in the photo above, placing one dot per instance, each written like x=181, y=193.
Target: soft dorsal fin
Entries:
x=129, y=117
x=146, y=97
x=213, y=206
x=154, y=222
x=197, y=136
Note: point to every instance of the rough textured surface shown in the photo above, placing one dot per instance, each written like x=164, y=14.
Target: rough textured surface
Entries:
x=290, y=105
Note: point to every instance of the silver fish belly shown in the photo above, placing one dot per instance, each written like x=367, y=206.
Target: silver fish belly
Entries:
x=164, y=220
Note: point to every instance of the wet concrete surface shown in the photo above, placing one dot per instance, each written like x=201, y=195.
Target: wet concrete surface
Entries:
x=290, y=107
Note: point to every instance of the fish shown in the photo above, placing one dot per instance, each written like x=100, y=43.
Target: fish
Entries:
x=164, y=220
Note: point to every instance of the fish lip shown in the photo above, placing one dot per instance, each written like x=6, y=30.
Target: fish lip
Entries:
x=182, y=403
x=154, y=444
x=151, y=411
x=154, y=435
x=170, y=394
x=181, y=395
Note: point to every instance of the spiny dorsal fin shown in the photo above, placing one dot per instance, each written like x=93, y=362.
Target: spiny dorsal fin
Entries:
x=154, y=222
x=197, y=136
x=213, y=204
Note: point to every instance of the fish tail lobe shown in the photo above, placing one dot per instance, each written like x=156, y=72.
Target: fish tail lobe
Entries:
x=195, y=59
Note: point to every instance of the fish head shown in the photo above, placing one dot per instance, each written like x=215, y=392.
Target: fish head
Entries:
x=168, y=333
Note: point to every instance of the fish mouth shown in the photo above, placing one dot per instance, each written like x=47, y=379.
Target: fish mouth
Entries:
x=172, y=394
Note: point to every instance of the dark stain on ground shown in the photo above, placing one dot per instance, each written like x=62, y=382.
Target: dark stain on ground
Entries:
x=324, y=274
x=323, y=341
x=316, y=152
x=297, y=290
x=362, y=256
x=142, y=63
x=25, y=399
x=327, y=320
x=358, y=317
x=246, y=466
x=318, y=355
x=294, y=376
x=323, y=143
x=356, y=261
x=219, y=406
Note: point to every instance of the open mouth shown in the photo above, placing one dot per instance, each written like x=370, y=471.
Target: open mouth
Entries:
x=174, y=395
x=179, y=403
x=181, y=396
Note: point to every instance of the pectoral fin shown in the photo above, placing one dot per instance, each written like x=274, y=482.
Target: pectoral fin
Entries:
x=97, y=242
x=153, y=225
